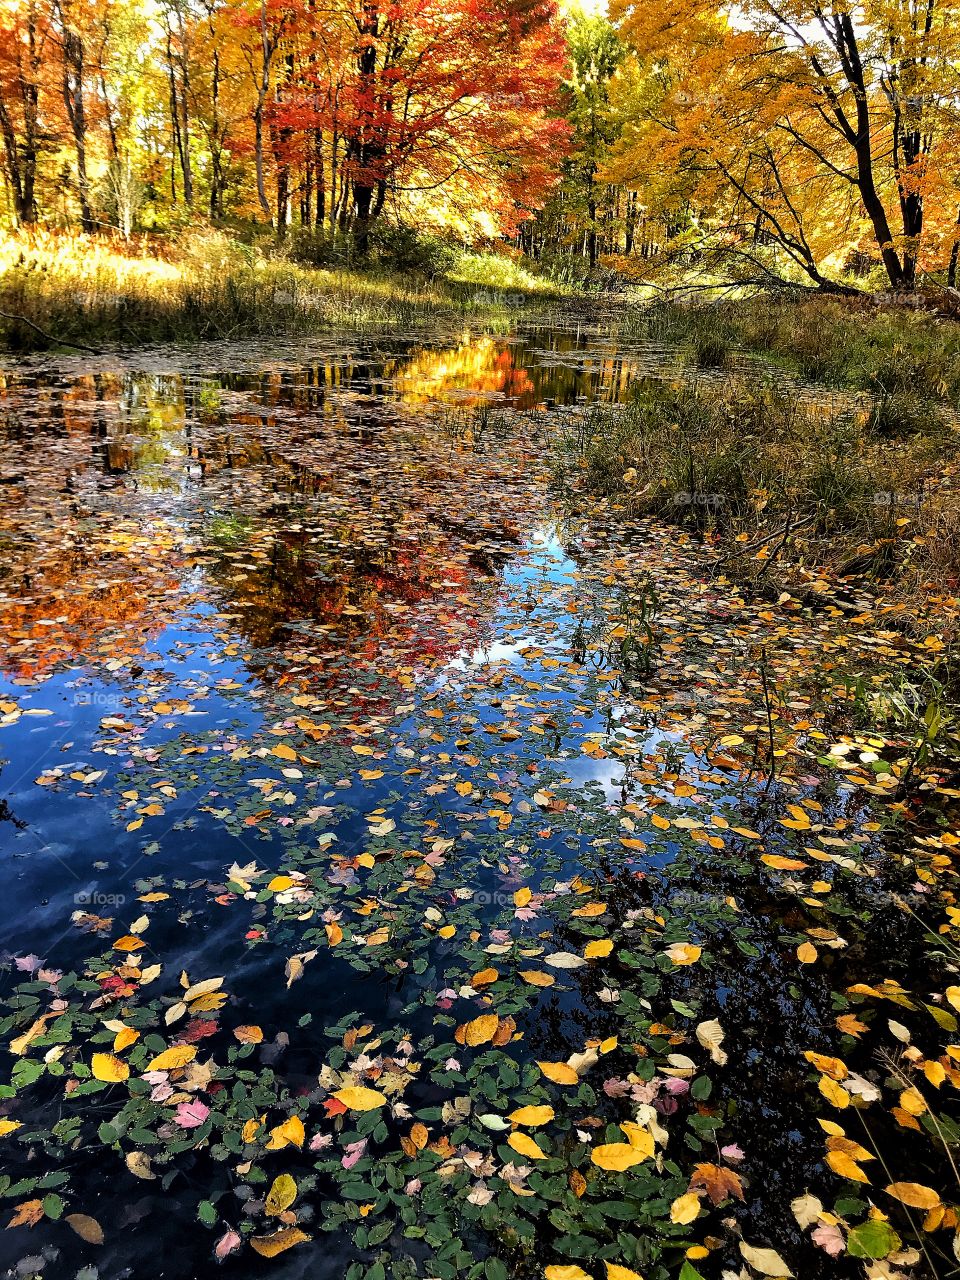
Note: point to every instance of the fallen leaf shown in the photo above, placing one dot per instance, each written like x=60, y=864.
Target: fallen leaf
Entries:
x=279, y=1242
x=358, y=1098
x=106, y=1067
x=281, y=1195
x=87, y=1228
x=767, y=1261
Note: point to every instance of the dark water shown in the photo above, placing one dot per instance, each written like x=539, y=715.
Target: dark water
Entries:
x=354, y=546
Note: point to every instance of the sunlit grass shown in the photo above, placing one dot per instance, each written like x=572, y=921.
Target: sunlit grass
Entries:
x=62, y=289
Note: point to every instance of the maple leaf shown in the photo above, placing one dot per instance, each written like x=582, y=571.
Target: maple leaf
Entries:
x=718, y=1182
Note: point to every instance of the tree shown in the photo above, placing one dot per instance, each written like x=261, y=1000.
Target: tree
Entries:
x=428, y=99
x=24, y=35
x=811, y=116
x=595, y=55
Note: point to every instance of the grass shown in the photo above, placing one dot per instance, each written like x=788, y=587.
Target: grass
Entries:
x=784, y=484
x=858, y=343
x=63, y=290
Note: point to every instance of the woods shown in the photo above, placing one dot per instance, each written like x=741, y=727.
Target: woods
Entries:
x=118, y=115
x=773, y=144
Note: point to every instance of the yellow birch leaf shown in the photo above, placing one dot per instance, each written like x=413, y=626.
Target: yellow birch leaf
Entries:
x=106, y=1067
x=281, y=1195
x=358, y=1098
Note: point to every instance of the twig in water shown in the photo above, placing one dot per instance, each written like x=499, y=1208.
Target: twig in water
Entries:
x=50, y=337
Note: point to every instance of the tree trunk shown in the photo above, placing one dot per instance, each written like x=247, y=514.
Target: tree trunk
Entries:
x=954, y=255
x=73, y=71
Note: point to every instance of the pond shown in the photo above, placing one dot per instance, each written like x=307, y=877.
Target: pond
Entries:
x=411, y=872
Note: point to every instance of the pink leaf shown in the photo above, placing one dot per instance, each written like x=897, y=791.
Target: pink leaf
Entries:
x=830, y=1239
x=354, y=1151
x=226, y=1245
x=190, y=1115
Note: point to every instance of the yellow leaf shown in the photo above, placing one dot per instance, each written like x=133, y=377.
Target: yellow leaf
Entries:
x=124, y=1038
x=617, y=1156
x=334, y=933
x=639, y=1138
x=248, y=1035
x=834, y=1093
x=128, y=943
x=23, y=1042
x=912, y=1101
x=524, y=1145
x=251, y=1128
x=935, y=1073
x=270, y=1246
x=484, y=978
x=533, y=1117
x=616, y=1272
x=843, y=1164
x=357, y=1098
x=685, y=1208
x=138, y=1162
x=568, y=1272
x=806, y=953
x=205, y=1003
x=536, y=978
x=285, y=752
x=106, y=1067
x=522, y=897
x=170, y=1059
x=780, y=863
x=204, y=988
x=289, y=1134
x=835, y=1068
x=597, y=949
x=559, y=1072
x=282, y=1194
x=481, y=1029
x=684, y=953
x=419, y=1135
x=913, y=1194
x=767, y=1261
x=8, y=1126
x=590, y=909
x=447, y=931
x=279, y=883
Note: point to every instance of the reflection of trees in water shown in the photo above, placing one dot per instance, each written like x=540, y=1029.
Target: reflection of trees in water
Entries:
x=300, y=558
x=330, y=507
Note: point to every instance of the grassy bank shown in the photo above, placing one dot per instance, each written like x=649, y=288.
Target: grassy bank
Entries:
x=64, y=290
x=871, y=344
x=787, y=486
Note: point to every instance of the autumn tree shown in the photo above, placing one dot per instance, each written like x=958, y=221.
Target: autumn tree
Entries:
x=24, y=47
x=428, y=98
x=813, y=118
